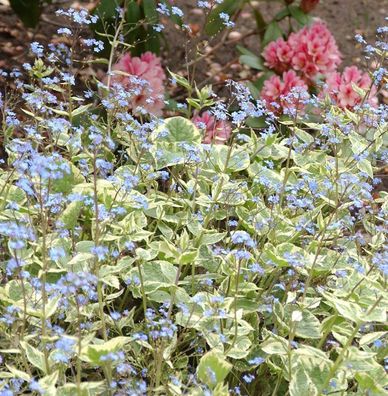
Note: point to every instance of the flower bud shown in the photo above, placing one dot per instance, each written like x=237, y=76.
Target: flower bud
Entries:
x=308, y=5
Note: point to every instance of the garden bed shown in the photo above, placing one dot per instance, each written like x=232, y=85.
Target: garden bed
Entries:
x=206, y=220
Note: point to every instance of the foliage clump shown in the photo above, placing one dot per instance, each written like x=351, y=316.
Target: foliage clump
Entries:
x=222, y=250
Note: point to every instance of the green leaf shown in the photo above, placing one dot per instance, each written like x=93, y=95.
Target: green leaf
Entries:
x=371, y=337
x=301, y=384
x=188, y=257
x=354, y=312
x=149, y=7
x=360, y=360
x=156, y=275
x=212, y=238
x=215, y=24
x=299, y=15
x=106, y=9
x=179, y=130
x=244, y=51
x=70, y=215
x=95, y=352
x=213, y=368
x=180, y=80
x=304, y=136
x=365, y=166
x=34, y=356
x=256, y=122
x=152, y=42
x=12, y=193
x=272, y=33
x=146, y=254
x=260, y=22
x=48, y=383
x=68, y=180
x=80, y=262
x=87, y=389
x=227, y=159
x=257, y=170
x=170, y=154
x=80, y=110
x=28, y=11
x=282, y=14
x=309, y=326
x=133, y=31
x=15, y=373
x=252, y=61
x=240, y=348
x=369, y=384
x=275, y=346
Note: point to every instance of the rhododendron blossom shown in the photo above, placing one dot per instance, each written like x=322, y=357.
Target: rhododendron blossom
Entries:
x=284, y=95
x=216, y=131
x=144, y=76
x=310, y=51
x=315, y=51
x=278, y=55
x=340, y=88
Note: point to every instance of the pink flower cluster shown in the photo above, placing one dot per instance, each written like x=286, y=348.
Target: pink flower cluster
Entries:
x=305, y=55
x=145, y=76
x=216, y=131
x=310, y=51
x=284, y=95
x=340, y=88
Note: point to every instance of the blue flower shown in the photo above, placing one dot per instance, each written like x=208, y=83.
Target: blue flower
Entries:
x=256, y=361
x=248, y=378
x=37, y=48
x=242, y=237
x=115, y=315
x=226, y=19
x=99, y=251
x=56, y=253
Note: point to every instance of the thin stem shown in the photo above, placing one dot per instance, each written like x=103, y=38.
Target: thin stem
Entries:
x=79, y=367
x=144, y=298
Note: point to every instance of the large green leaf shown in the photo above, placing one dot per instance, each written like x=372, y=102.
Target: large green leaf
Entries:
x=178, y=130
x=213, y=368
x=226, y=159
x=308, y=326
x=34, y=356
x=94, y=353
x=301, y=384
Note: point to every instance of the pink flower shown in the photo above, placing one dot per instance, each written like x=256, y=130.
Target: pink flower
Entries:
x=216, y=131
x=315, y=51
x=278, y=55
x=145, y=79
x=284, y=95
x=340, y=88
x=310, y=51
